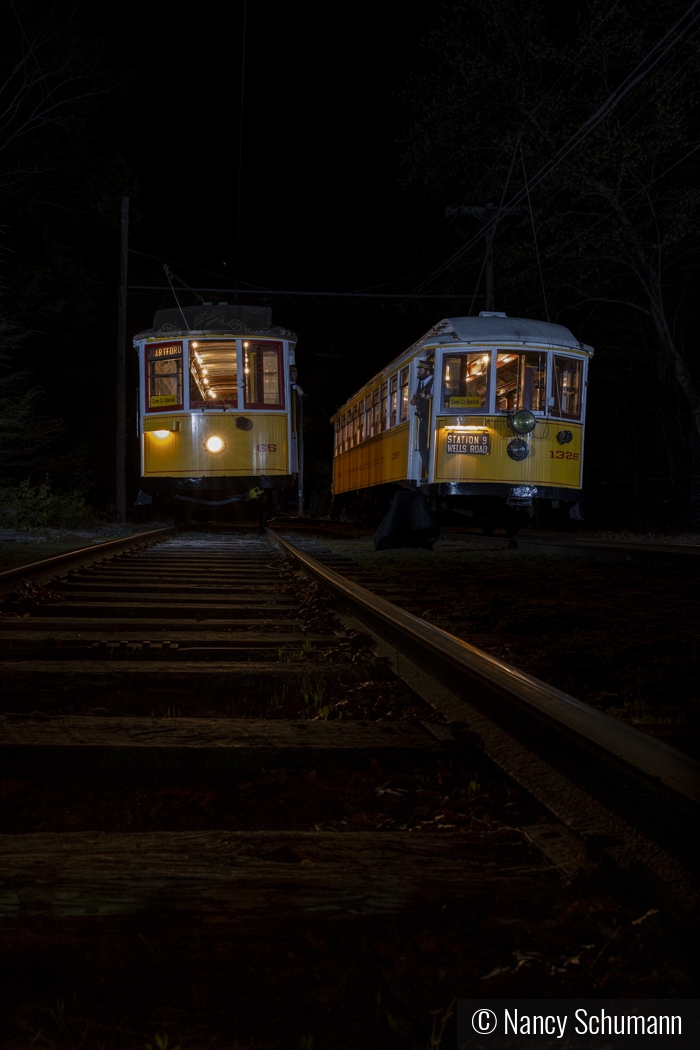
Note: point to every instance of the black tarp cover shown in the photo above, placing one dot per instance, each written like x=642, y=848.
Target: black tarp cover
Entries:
x=409, y=523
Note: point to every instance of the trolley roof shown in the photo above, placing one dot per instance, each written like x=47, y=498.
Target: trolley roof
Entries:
x=223, y=319
x=501, y=329
x=487, y=329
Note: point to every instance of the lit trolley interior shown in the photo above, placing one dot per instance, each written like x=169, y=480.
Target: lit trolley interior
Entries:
x=218, y=421
x=485, y=414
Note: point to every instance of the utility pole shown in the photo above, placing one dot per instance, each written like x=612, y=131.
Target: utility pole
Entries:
x=300, y=452
x=485, y=213
x=121, y=367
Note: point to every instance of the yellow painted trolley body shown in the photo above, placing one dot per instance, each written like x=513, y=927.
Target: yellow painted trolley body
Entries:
x=217, y=409
x=480, y=374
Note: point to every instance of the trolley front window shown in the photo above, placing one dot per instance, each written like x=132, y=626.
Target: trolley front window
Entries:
x=466, y=382
x=164, y=376
x=521, y=381
x=213, y=374
x=263, y=375
x=567, y=382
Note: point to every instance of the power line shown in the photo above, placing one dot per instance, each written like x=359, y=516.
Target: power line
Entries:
x=320, y=295
x=240, y=143
x=188, y=266
x=581, y=134
x=534, y=233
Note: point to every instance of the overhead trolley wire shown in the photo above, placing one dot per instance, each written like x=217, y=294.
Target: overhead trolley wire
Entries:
x=654, y=57
x=318, y=294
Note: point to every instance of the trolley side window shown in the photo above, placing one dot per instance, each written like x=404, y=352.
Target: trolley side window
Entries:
x=360, y=409
x=337, y=438
x=164, y=376
x=213, y=374
x=393, y=400
x=567, y=383
x=403, y=412
x=521, y=381
x=368, y=417
x=384, y=406
x=465, y=382
x=376, y=425
x=263, y=375
x=355, y=431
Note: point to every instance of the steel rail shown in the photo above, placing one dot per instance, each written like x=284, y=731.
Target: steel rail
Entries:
x=47, y=568
x=650, y=783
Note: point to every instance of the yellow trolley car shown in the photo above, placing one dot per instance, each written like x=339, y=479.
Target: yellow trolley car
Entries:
x=484, y=414
x=217, y=418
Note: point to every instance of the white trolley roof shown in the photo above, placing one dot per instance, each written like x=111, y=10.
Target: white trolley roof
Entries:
x=496, y=330
x=506, y=330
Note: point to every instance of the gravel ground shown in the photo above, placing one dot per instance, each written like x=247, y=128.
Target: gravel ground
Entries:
x=624, y=637
x=20, y=547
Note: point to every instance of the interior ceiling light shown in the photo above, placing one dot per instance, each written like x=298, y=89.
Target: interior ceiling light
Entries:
x=195, y=345
x=160, y=433
x=212, y=393
x=214, y=444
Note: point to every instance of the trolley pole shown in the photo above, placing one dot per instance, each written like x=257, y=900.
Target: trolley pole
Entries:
x=485, y=213
x=121, y=368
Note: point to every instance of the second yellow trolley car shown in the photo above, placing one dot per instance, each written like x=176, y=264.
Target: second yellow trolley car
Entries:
x=485, y=415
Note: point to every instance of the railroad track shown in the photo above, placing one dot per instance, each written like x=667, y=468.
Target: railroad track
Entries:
x=221, y=733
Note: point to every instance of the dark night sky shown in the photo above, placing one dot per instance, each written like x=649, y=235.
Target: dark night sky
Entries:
x=322, y=205
x=322, y=116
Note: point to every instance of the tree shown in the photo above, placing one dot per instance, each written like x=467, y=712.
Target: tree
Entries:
x=25, y=432
x=593, y=123
x=50, y=81
x=61, y=184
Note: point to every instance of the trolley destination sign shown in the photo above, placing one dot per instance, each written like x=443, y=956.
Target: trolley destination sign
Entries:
x=461, y=444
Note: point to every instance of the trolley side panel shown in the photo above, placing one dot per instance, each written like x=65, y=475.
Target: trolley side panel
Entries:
x=260, y=450
x=381, y=459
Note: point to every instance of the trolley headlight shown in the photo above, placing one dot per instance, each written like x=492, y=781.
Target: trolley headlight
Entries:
x=564, y=437
x=214, y=444
x=523, y=422
x=160, y=433
x=517, y=448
